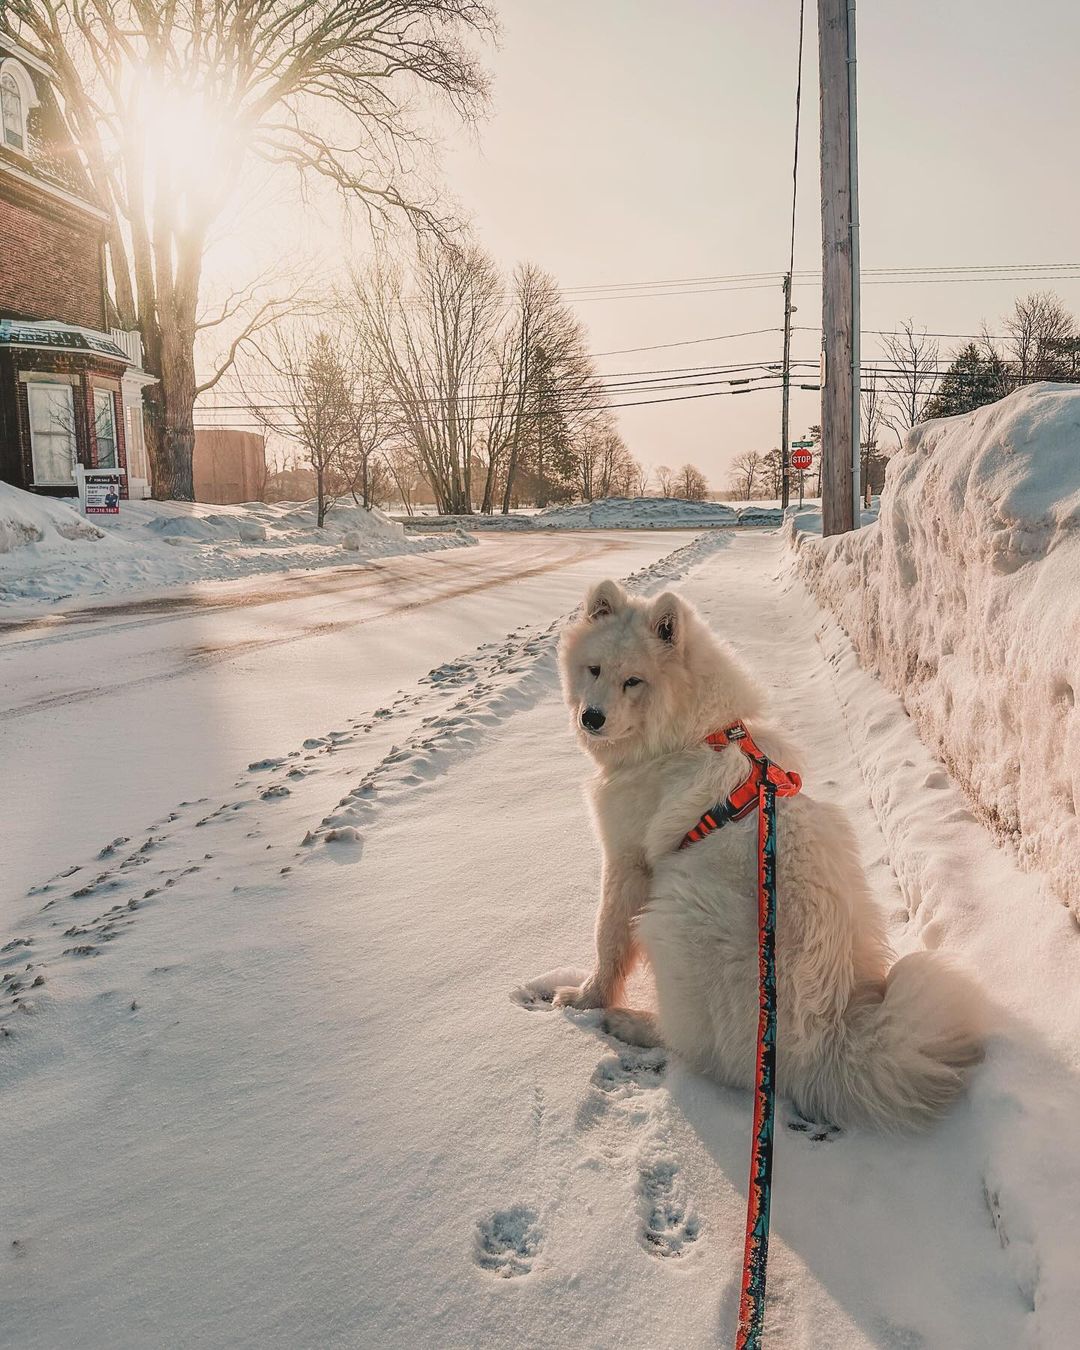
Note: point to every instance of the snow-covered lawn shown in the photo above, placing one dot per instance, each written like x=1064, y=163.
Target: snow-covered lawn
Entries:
x=283, y=1083
x=49, y=553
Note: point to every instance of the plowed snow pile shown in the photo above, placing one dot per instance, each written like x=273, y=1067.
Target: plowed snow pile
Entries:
x=965, y=599
x=26, y=519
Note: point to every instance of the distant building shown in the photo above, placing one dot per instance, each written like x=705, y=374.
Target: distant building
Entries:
x=70, y=388
x=229, y=467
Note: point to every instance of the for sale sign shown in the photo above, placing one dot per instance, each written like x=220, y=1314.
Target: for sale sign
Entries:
x=102, y=494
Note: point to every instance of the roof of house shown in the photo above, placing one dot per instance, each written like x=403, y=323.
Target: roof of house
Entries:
x=50, y=335
x=50, y=153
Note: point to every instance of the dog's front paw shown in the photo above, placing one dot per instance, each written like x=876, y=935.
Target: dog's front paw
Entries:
x=581, y=997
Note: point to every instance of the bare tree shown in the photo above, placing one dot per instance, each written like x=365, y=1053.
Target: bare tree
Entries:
x=604, y=466
x=745, y=471
x=374, y=428
x=1042, y=339
x=665, y=480
x=639, y=480
x=872, y=413
x=400, y=465
x=503, y=390
x=324, y=89
x=909, y=377
x=498, y=420
x=432, y=335
x=314, y=407
x=691, y=484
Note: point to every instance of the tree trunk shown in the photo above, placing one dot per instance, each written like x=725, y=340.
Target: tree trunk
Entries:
x=487, y=505
x=320, y=495
x=172, y=444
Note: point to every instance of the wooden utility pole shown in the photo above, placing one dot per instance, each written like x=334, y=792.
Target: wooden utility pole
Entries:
x=785, y=418
x=840, y=262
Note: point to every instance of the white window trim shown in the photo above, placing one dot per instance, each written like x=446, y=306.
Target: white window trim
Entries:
x=27, y=98
x=49, y=377
x=112, y=393
x=70, y=385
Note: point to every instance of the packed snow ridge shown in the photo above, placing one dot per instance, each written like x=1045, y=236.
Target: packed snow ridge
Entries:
x=48, y=552
x=616, y=513
x=965, y=599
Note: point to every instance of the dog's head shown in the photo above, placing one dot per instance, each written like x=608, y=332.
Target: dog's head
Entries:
x=617, y=662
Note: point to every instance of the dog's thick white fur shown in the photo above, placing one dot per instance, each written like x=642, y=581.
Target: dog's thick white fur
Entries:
x=646, y=682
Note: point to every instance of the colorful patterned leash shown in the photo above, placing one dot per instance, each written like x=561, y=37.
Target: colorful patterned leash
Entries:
x=755, y=1258
x=765, y=783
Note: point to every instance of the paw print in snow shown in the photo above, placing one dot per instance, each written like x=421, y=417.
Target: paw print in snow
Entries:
x=508, y=1242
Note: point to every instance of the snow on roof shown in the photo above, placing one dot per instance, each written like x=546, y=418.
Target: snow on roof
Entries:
x=54, y=336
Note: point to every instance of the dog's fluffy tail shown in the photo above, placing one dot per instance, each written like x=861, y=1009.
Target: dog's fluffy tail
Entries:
x=901, y=1060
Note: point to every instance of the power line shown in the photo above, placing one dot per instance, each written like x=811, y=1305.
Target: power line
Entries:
x=869, y=280
x=687, y=342
x=603, y=407
x=804, y=273
x=615, y=377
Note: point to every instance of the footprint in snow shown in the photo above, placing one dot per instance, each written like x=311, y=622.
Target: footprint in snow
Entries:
x=508, y=1242
x=817, y=1131
x=668, y=1226
x=629, y=1070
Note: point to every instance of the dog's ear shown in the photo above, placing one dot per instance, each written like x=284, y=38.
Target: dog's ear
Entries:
x=666, y=618
x=607, y=597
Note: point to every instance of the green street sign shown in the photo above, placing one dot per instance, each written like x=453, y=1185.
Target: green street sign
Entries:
x=802, y=445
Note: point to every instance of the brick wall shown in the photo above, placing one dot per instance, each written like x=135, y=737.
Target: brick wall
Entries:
x=53, y=266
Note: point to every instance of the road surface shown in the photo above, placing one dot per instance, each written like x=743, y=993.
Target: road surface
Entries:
x=112, y=714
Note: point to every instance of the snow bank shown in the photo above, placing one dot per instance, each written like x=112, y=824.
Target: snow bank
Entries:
x=48, y=552
x=28, y=519
x=965, y=599
x=616, y=513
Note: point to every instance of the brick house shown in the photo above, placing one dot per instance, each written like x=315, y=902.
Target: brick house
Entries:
x=69, y=387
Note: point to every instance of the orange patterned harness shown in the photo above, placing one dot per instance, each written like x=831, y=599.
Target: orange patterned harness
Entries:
x=745, y=797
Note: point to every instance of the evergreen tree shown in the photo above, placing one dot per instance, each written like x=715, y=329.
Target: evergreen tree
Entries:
x=973, y=379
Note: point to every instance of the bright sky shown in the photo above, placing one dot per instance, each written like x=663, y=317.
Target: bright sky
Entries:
x=631, y=142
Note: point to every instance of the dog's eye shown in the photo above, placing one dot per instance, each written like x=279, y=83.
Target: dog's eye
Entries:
x=594, y=671
x=632, y=681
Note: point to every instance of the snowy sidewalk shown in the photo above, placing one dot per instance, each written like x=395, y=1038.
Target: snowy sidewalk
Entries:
x=283, y=1085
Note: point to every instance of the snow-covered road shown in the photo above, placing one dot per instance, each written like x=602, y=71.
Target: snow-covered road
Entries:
x=113, y=713
x=285, y=1082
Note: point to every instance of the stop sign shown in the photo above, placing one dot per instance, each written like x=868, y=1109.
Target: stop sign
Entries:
x=801, y=459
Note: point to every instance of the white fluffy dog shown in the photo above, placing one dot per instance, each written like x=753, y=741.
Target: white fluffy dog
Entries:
x=646, y=682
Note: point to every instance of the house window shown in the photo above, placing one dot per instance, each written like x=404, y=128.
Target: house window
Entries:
x=105, y=429
x=17, y=97
x=11, y=103
x=52, y=433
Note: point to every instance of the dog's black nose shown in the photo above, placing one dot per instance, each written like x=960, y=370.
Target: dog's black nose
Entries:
x=592, y=718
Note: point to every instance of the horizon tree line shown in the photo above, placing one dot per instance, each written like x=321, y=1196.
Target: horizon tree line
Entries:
x=434, y=370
